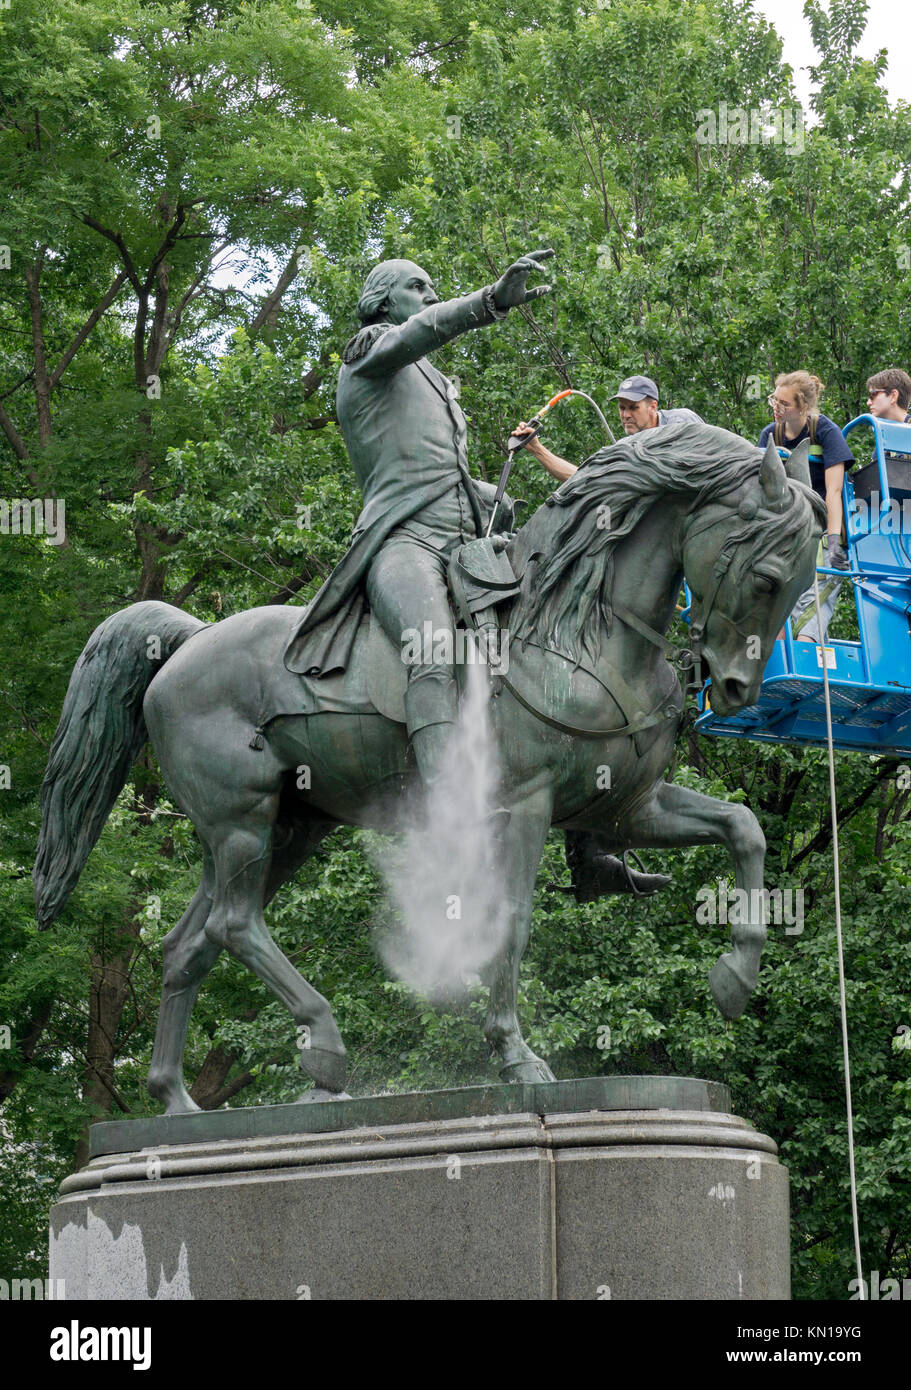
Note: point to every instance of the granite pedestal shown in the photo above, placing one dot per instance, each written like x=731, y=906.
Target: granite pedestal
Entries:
x=607, y=1187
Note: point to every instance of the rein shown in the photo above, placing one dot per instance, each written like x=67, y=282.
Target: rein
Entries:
x=619, y=692
x=719, y=570
x=683, y=658
x=687, y=658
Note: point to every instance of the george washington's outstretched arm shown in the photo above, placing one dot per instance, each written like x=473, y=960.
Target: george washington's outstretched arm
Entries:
x=395, y=345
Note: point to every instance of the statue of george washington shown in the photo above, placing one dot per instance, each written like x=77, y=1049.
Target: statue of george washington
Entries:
x=406, y=438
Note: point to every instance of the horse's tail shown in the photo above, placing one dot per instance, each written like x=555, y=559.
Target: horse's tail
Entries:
x=99, y=737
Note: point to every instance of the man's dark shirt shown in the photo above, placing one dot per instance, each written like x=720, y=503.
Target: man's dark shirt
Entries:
x=829, y=439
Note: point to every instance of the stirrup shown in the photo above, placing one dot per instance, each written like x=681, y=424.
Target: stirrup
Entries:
x=636, y=892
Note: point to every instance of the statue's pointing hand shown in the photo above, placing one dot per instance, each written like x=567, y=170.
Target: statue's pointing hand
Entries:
x=510, y=288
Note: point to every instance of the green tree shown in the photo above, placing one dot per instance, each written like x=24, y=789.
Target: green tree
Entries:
x=187, y=421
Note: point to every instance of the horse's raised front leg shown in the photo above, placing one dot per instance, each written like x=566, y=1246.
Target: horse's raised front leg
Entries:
x=676, y=816
x=519, y=853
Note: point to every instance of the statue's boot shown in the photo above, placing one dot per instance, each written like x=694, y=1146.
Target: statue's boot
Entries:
x=430, y=745
x=320, y=1093
x=596, y=874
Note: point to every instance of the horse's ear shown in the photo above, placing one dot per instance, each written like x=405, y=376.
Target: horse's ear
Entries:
x=774, y=479
x=797, y=466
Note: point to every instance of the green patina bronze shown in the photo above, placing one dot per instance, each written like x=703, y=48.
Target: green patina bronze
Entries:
x=406, y=436
x=584, y=591
x=578, y=1096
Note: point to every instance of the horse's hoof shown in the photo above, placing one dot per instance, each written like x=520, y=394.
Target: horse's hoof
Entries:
x=183, y=1106
x=177, y=1099
x=328, y=1069
x=319, y=1093
x=527, y=1072
x=729, y=991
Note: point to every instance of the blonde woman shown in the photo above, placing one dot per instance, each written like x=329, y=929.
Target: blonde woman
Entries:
x=795, y=404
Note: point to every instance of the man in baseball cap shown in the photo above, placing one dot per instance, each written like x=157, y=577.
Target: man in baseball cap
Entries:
x=594, y=873
x=637, y=401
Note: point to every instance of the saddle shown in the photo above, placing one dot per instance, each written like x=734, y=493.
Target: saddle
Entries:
x=480, y=581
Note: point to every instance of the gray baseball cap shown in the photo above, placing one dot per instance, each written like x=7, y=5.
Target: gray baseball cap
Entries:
x=636, y=388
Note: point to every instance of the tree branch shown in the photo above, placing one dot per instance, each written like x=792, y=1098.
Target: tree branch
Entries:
x=232, y=1087
x=269, y=307
x=21, y=382
x=39, y=357
x=100, y=309
x=119, y=242
x=292, y=587
x=192, y=584
x=175, y=318
x=35, y=1027
x=17, y=444
x=823, y=836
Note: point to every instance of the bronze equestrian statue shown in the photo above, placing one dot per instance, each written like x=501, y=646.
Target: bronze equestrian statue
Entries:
x=406, y=437
x=236, y=709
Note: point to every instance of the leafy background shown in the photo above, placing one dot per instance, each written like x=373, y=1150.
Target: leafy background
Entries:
x=192, y=194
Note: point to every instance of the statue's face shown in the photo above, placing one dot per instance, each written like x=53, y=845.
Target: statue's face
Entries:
x=412, y=291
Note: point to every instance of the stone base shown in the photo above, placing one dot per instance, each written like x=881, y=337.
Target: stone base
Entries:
x=578, y=1195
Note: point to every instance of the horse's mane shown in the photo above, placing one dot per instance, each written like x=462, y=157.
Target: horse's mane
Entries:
x=565, y=594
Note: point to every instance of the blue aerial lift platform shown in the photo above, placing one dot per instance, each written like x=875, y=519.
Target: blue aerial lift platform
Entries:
x=870, y=678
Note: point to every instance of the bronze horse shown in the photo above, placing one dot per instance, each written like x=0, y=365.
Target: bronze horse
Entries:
x=588, y=687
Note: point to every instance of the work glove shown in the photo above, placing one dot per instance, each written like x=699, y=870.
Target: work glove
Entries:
x=838, y=557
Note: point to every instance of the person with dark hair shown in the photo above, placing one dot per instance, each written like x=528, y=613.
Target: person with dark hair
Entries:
x=795, y=402
x=889, y=395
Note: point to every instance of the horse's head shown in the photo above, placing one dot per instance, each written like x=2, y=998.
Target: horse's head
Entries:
x=746, y=560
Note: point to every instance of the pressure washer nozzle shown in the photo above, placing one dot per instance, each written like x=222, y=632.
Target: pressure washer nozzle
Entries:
x=515, y=442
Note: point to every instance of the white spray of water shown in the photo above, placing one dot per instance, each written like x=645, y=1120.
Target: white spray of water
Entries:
x=444, y=875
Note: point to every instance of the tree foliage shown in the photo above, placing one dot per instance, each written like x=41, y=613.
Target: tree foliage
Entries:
x=191, y=195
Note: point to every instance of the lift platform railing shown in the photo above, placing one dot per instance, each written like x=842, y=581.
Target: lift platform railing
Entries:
x=869, y=679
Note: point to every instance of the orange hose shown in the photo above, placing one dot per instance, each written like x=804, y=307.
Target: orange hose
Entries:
x=553, y=401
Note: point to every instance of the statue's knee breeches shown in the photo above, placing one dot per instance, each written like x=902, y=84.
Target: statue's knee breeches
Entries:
x=407, y=587
x=408, y=593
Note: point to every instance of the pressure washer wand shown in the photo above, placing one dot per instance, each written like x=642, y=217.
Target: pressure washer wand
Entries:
x=515, y=442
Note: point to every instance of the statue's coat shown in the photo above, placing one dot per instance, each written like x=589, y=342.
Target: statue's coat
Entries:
x=406, y=437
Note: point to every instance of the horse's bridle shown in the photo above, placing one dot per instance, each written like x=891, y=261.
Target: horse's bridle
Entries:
x=701, y=615
x=688, y=658
x=719, y=570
